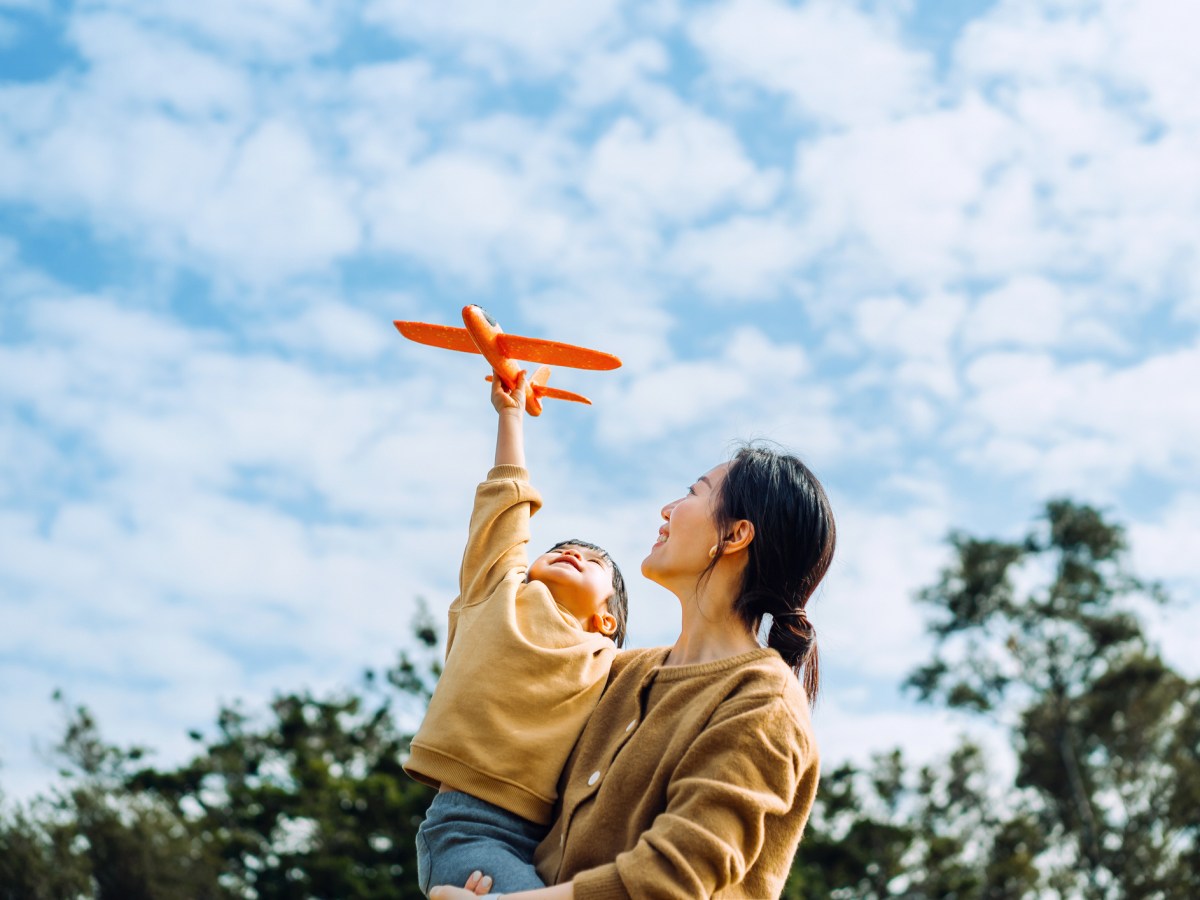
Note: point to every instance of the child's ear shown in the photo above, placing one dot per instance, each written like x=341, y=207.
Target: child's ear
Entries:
x=604, y=624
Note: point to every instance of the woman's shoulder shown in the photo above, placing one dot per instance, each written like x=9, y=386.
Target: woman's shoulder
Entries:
x=765, y=681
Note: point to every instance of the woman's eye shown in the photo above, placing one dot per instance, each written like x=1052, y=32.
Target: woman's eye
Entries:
x=692, y=492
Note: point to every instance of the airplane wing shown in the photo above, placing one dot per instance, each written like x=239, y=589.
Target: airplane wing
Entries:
x=555, y=354
x=511, y=345
x=438, y=336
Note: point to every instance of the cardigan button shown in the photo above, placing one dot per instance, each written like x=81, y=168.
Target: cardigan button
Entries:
x=593, y=778
x=629, y=727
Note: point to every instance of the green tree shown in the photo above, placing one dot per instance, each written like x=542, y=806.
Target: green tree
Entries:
x=92, y=837
x=1045, y=632
x=894, y=832
x=307, y=801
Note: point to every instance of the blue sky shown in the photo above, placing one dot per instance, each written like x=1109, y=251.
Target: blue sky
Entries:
x=946, y=252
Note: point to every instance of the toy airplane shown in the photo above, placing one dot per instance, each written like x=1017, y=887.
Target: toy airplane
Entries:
x=483, y=335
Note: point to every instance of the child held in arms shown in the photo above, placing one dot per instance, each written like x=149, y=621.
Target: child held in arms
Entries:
x=528, y=651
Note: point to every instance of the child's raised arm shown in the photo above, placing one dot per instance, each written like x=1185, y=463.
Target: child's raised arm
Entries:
x=510, y=431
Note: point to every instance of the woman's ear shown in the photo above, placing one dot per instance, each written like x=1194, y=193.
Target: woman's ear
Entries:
x=604, y=624
x=740, y=536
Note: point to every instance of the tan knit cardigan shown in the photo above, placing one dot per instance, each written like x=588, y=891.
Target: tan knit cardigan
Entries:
x=688, y=781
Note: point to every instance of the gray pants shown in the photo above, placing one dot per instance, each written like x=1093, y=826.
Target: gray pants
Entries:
x=462, y=834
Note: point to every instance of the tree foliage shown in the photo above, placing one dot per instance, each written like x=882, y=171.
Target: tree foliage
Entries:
x=1047, y=633
x=308, y=801
x=889, y=831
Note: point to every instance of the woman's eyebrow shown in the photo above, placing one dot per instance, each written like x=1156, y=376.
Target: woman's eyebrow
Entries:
x=705, y=480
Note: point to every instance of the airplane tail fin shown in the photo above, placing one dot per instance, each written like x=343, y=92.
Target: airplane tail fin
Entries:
x=557, y=394
x=535, y=387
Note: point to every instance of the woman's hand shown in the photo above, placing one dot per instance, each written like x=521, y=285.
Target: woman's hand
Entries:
x=477, y=885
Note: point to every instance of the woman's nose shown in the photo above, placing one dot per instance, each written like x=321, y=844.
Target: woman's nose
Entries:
x=665, y=512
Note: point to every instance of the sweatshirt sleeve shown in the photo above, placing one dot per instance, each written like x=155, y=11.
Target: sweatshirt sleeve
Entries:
x=747, y=766
x=499, y=532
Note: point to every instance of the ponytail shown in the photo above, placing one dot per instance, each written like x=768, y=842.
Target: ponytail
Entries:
x=794, y=540
x=792, y=635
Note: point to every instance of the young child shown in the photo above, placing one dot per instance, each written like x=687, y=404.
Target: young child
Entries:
x=527, y=654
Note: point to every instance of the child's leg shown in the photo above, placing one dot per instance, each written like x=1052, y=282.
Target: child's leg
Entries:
x=462, y=833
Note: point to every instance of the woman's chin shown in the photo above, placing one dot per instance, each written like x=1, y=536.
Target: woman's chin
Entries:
x=652, y=569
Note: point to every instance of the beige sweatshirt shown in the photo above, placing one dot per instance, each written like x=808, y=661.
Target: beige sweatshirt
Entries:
x=689, y=781
x=521, y=676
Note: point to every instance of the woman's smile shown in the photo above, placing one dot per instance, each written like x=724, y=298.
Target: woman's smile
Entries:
x=662, y=539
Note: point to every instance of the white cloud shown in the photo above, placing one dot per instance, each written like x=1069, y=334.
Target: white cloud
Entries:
x=540, y=34
x=278, y=210
x=908, y=188
x=150, y=141
x=682, y=167
x=865, y=614
x=605, y=75
x=921, y=328
x=1154, y=41
x=835, y=62
x=1044, y=159
x=64, y=152
x=1163, y=548
x=465, y=214
x=1028, y=311
x=743, y=257
x=846, y=732
x=277, y=30
x=916, y=340
x=389, y=108
x=132, y=65
x=1033, y=42
x=1084, y=426
x=1099, y=95
x=1137, y=49
x=683, y=417
x=336, y=330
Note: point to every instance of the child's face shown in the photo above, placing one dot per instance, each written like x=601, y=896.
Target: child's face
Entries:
x=580, y=580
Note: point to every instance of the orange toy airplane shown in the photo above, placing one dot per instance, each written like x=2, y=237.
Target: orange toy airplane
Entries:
x=483, y=335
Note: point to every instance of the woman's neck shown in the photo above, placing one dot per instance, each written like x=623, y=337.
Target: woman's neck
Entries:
x=711, y=631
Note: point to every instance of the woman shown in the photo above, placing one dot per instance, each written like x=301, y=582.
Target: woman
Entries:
x=696, y=773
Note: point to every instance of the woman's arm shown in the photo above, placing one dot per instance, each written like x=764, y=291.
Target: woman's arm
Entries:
x=736, y=800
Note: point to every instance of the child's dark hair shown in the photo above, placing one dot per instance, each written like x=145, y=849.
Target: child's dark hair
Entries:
x=618, y=603
x=794, y=540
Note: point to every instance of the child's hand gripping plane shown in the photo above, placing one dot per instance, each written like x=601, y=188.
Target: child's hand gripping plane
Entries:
x=483, y=335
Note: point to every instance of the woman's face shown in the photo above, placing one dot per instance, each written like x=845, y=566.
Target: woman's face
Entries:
x=686, y=539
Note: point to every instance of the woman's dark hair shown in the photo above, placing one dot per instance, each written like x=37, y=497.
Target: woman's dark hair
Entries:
x=794, y=539
x=618, y=603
